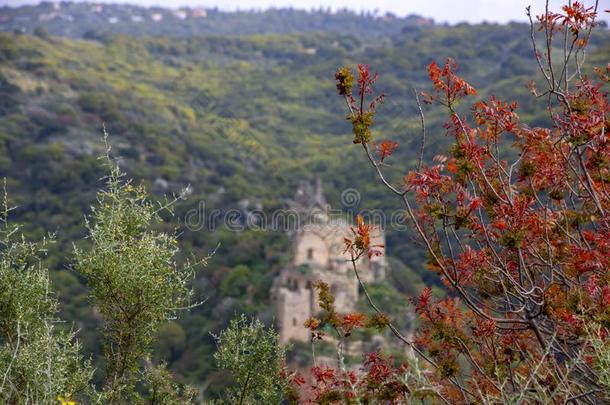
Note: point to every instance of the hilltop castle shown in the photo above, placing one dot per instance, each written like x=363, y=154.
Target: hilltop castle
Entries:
x=318, y=254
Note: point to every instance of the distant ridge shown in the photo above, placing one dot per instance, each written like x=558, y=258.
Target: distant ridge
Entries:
x=77, y=20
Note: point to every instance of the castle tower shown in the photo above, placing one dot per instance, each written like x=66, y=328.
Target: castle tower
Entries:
x=318, y=254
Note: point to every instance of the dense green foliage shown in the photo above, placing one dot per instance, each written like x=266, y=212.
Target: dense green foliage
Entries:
x=135, y=286
x=134, y=281
x=240, y=119
x=38, y=361
x=255, y=359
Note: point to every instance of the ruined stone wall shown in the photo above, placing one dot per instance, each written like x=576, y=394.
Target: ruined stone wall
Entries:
x=294, y=308
x=311, y=248
x=319, y=254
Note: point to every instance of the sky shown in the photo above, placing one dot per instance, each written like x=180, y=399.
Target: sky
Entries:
x=452, y=11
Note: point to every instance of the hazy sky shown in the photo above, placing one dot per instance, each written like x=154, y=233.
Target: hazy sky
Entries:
x=441, y=10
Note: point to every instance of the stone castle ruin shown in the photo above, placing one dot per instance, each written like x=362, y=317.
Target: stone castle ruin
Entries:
x=318, y=254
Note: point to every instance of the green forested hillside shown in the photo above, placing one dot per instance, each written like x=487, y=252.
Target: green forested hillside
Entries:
x=241, y=120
